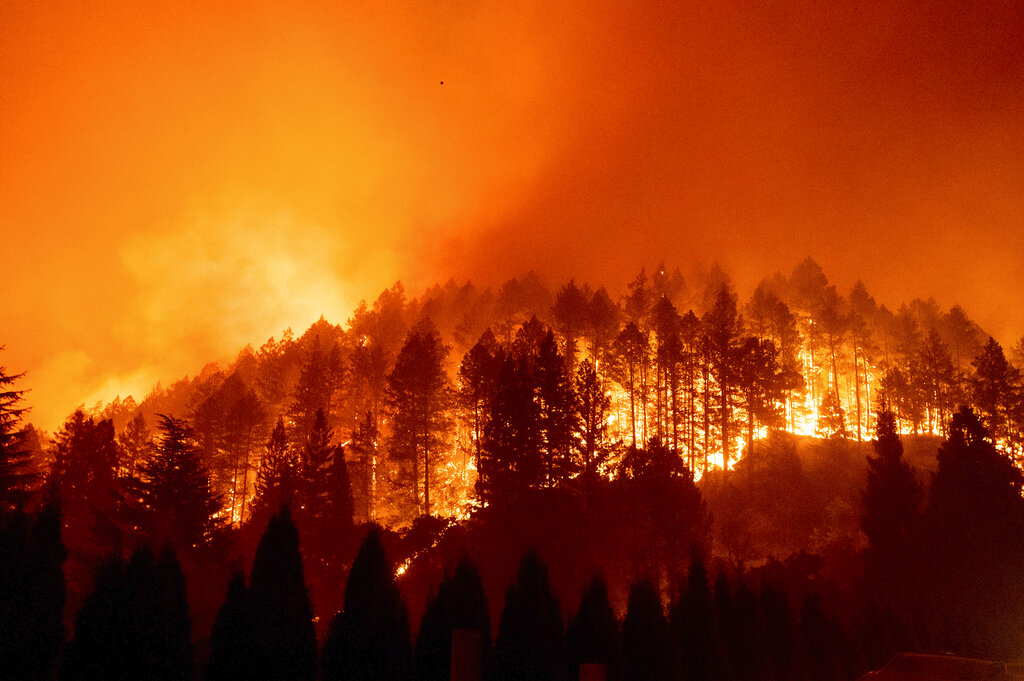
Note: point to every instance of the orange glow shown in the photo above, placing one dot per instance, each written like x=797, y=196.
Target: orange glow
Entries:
x=179, y=179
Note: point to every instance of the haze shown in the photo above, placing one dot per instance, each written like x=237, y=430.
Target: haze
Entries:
x=178, y=181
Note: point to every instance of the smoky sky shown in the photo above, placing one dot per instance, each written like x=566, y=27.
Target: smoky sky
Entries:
x=176, y=182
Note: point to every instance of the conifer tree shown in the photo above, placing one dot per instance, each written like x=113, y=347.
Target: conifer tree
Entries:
x=891, y=507
x=282, y=638
x=230, y=656
x=418, y=396
x=558, y=417
x=593, y=633
x=460, y=603
x=32, y=593
x=649, y=649
x=974, y=522
x=592, y=406
x=369, y=639
x=134, y=625
x=695, y=622
x=15, y=477
x=178, y=505
x=530, y=642
x=276, y=479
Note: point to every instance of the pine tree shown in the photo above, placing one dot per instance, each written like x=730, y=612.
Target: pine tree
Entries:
x=592, y=405
x=723, y=325
x=369, y=639
x=418, y=397
x=593, y=634
x=282, y=638
x=891, y=507
x=32, y=593
x=973, y=526
x=230, y=655
x=649, y=649
x=511, y=462
x=178, y=506
x=460, y=603
x=135, y=442
x=276, y=479
x=530, y=642
x=558, y=417
x=695, y=622
x=15, y=478
x=134, y=625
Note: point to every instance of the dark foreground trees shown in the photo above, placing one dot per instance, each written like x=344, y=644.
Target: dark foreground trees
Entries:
x=134, y=625
x=266, y=630
x=32, y=593
x=369, y=639
x=530, y=641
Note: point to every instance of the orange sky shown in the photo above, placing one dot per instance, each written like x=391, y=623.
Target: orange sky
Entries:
x=179, y=179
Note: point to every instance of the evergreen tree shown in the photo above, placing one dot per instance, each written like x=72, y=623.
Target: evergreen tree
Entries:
x=570, y=316
x=230, y=643
x=32, y=593
x=134, y=625
x=135, y=443
x=460, y=603
x=632, y=348
x=723, y=326
x=512, y=439
x=592, y=405
x=530, y=642
x=994, y=388
x=593, y=634
x=282, y=639
x=558, y=417
x=649, y=649
x=178, y=506
x=276, y=479
x=478, y=375
x=364, y=445
x=418, y=397
x=15, y=477
x=369, y=639
x=891, y=506
x=974, y=522
x=695, y=622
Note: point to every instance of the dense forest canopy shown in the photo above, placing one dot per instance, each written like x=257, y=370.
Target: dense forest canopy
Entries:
x=425, y=392
x=803, y=443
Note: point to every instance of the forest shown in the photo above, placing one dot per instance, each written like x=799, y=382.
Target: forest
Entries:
x=667, y=480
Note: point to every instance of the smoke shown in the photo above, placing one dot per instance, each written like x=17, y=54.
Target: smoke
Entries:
x=184, y=180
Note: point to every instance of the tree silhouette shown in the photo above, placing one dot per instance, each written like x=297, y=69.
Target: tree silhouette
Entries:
x=891, y=507
x=32, y=593
x=478, y=375
x=557, y=415
x=694, y=620
x=276, y=479
x=974, y=522
x=530, y=642
x=512, y=439
x=282, y=639
x=369, y=639
x=134, y=625
x=592, y=406
x=177, y=506
x=649, y=649
x=723, y=326
x=230, y=643
x=418, y=397
x=460, y=603
x=994, y=388
x=593, y=633
x=15, y=477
